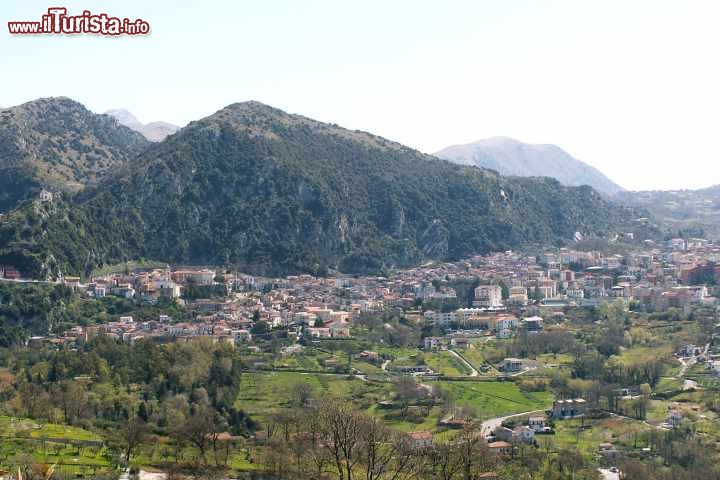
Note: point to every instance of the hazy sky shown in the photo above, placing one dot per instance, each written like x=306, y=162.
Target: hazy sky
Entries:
x=630, y=87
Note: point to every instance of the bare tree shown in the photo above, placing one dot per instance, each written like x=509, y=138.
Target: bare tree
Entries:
x=468, y=444
x=376, y=448
x=331, y=437
x=318, y=454
x=440, y=463
x=341, y=430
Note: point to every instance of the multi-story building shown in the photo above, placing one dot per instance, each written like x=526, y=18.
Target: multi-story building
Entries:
x=488, y=296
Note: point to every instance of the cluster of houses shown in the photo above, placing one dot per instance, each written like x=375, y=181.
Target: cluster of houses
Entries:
x=663, y=275
x=503, y=439
x=303, y=305
x=326, y=307
x=501, y=324
x=539, y=424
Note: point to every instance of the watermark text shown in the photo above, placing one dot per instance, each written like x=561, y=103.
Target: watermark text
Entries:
x=58, y=22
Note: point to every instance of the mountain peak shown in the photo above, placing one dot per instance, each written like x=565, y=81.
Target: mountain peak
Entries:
x=48, y=103
x=60, y=100
x=513, y=157
x=124, y=117
x=498, y=140
x=257, y=118
x=252, y=105
x=153, y=131
x=251, y=110
x=57, y=143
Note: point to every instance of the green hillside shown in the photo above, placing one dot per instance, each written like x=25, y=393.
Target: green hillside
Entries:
x=58, y=144
x=269, y=192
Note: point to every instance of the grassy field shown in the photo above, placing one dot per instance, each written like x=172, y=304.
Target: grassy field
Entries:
x=476, y=358
x=709, y=382
x=428, y=423
x=264, y=393
x=668, y=384
x=445, y=363
x=396, y=353
x=441, y=362
x=24, y=438
x=309, y=359
x=560, y=359
x=637, y=355
x=494, y=399
x=19, y=427
x=368, y=368
x=586, y=435
x=159, y=452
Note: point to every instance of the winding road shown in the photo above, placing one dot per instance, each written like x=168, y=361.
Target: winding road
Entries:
x=473, y=370
x=489, y=425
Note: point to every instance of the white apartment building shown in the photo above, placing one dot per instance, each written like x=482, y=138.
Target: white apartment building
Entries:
x=488, y=296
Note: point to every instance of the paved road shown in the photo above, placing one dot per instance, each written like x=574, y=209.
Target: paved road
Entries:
x=474, y=372
x=26, y=280
x=608, y=475
x=489, y=425
x=685, y=364
x=521, y=372
x=689, y=362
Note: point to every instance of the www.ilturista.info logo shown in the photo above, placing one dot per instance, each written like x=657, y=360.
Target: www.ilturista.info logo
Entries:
x=57, y=21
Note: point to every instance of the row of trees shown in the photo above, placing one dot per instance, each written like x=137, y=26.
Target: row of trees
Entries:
x=329, y=439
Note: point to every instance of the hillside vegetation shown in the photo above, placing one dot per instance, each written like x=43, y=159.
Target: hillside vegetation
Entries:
x=58, y=144
x=269, y=192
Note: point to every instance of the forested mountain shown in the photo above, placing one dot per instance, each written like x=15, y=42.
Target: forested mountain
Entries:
x=510, y=157
x=153, y=131
x=686, y=212
x=58, y=144
x=269, y=192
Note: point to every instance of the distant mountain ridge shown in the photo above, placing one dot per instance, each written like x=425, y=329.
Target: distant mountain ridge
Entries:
x=686, y=212
x=58, y=144
x=153, y=131
x=511, y=157
x=273, y=193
